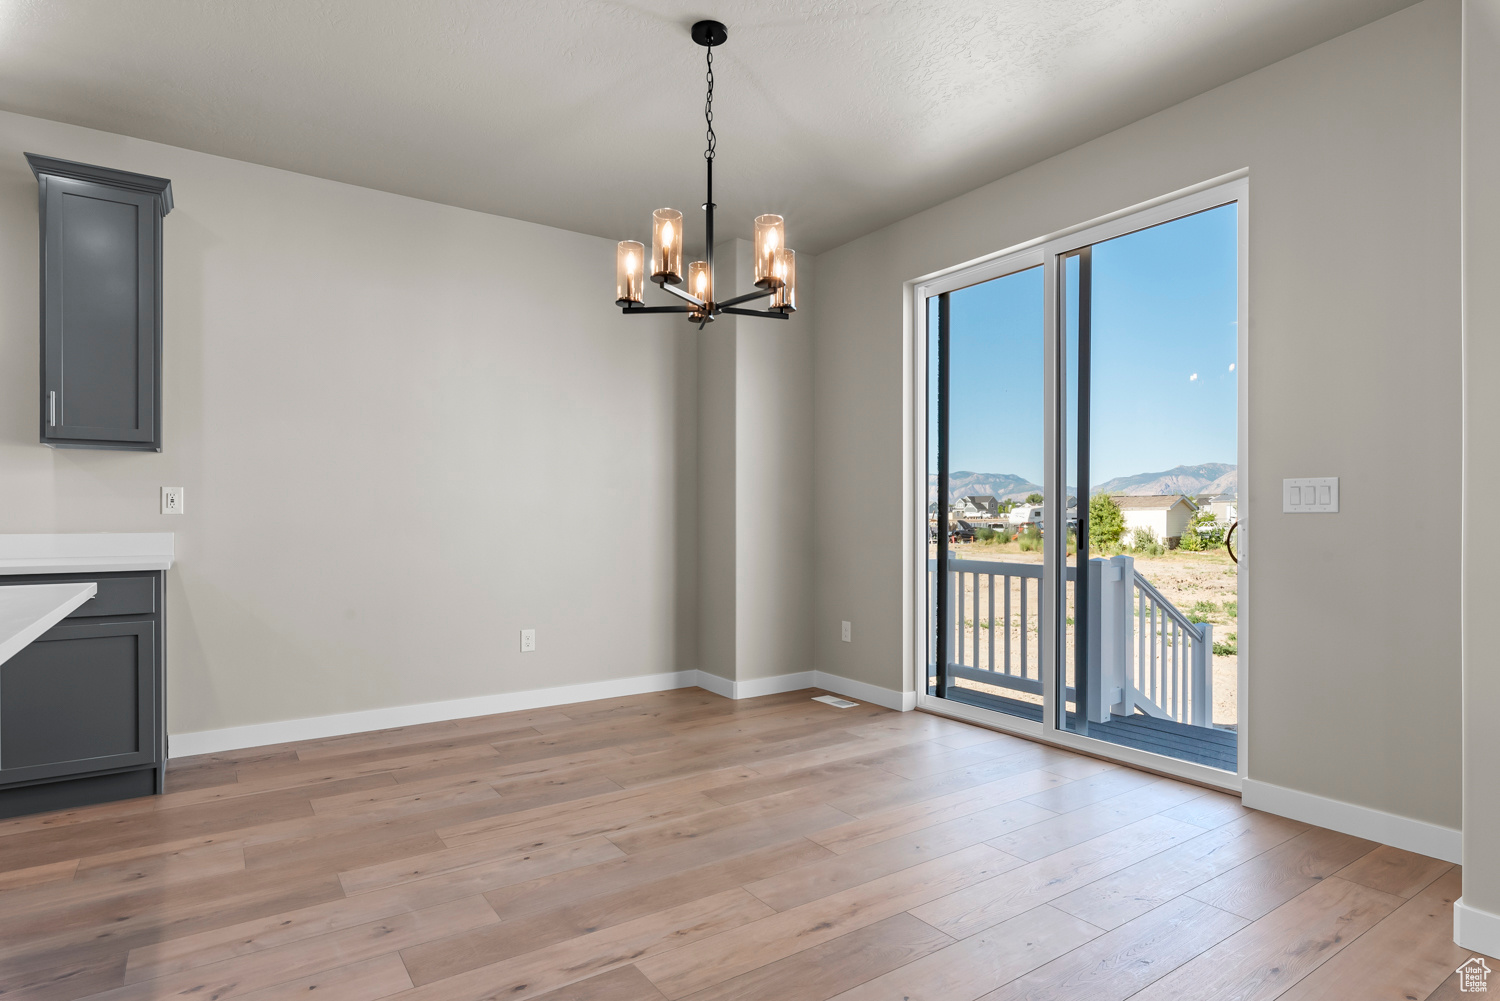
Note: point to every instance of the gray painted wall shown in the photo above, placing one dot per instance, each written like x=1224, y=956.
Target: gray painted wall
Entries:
x=406, y=431
x=1352, y=620
x=774, y=483
x=755, y=483
x=1481, y=592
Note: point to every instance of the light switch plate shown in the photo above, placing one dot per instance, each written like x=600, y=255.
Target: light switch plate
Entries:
x=847, y=633
x=1310, y=495
x=528, y=640
x=171, y=500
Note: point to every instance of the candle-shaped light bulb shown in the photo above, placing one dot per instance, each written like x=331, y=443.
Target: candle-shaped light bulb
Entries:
x=629, y=282
x=666, y=246
x=784, y=268
x=700, y=281
x=770, y=236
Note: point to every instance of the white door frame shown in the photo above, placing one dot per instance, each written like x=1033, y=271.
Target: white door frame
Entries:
x=1047, y=251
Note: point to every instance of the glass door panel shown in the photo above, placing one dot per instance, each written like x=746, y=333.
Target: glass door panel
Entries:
x=986, y=455
x=1150, y=320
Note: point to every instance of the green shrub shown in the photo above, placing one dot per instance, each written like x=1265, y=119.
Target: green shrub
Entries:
x=1203, y=532
x=1143, y=541
x=984, y=535
x=1232, y=609
x=1202, y=611
x=1106, y=523
x=1229, y=647
x=1029, y=539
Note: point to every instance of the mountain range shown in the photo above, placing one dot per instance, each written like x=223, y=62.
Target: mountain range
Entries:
x=1006, y=486
x=1193, y=481
x=1205, y=478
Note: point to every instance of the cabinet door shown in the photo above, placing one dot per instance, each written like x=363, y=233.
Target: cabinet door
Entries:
x=81, y=698
x=99, y=315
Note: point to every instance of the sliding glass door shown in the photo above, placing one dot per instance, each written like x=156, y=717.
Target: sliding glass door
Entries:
x=1082, y=457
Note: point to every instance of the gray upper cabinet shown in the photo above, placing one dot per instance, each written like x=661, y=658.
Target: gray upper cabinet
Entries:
x=101, y=305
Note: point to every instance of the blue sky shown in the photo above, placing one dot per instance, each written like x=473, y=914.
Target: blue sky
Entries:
x=1164, y=341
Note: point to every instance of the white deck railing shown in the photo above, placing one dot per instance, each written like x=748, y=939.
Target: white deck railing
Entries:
x=1145, y=653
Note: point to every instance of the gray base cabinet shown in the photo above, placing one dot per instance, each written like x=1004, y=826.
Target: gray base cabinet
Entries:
x=101, y=304
x=82, y=708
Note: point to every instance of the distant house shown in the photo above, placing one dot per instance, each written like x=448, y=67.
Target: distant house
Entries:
x=982, y=507
x=1224, y=507
x=1165, y=514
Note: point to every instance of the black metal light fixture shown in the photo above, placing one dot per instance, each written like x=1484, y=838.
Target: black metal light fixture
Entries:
x=775, y=263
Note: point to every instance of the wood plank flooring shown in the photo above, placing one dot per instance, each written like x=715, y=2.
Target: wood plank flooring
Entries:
x=679, y=846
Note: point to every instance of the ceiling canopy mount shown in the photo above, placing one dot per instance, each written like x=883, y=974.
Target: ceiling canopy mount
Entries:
x=710, y=33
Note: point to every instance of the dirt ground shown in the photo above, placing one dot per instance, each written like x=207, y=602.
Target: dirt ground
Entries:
x=1202, y=585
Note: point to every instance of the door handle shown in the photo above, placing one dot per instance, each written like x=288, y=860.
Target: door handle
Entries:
x=52, y=407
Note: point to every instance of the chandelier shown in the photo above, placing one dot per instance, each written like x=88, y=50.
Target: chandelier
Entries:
x=775, y=263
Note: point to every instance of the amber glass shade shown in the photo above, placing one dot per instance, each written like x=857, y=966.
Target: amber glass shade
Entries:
x=630, y=271
x=770, y=236
x=700, y=281
x=784, y=271
x=666, y=245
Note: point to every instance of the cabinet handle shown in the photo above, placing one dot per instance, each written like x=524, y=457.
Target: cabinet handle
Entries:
x=52, y=407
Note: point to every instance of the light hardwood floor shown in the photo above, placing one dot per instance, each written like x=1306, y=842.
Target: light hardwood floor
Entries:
x=679, y=845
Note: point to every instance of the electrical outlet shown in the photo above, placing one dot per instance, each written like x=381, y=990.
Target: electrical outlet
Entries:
x=848, y=632
x=528, y=640
x=171, y=500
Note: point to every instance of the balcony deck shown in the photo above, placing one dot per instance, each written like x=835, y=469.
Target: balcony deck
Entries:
x=1205, y=745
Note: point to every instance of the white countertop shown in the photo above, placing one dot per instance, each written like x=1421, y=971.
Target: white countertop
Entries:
x=28, y=610
x=88, y=552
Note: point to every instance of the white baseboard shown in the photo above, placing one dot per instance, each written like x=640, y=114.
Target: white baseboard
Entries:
x=1476, y=930
x=860, y=691
x=863, y=691
x=755, y=687
x=714, y=683
x=182, y=745
x=1432, y=840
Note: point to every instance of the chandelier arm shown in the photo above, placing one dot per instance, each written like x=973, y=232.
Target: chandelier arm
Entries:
x=772, y=313
x=759, y=293
x=679, y=293
x=657, y=309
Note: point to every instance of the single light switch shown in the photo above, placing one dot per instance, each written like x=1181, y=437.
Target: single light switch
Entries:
x=848, y=632
x=1310, y=495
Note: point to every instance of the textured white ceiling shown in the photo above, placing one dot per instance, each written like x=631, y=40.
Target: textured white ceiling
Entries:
x=843, y=115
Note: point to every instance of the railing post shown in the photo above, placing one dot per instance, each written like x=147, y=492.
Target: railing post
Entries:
x=1203, y=676
x=1115, y=637
x=1125, y=703
x=1104, y=578
x=1099, y=644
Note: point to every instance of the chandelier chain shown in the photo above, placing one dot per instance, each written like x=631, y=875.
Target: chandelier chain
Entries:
x=708, y=108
